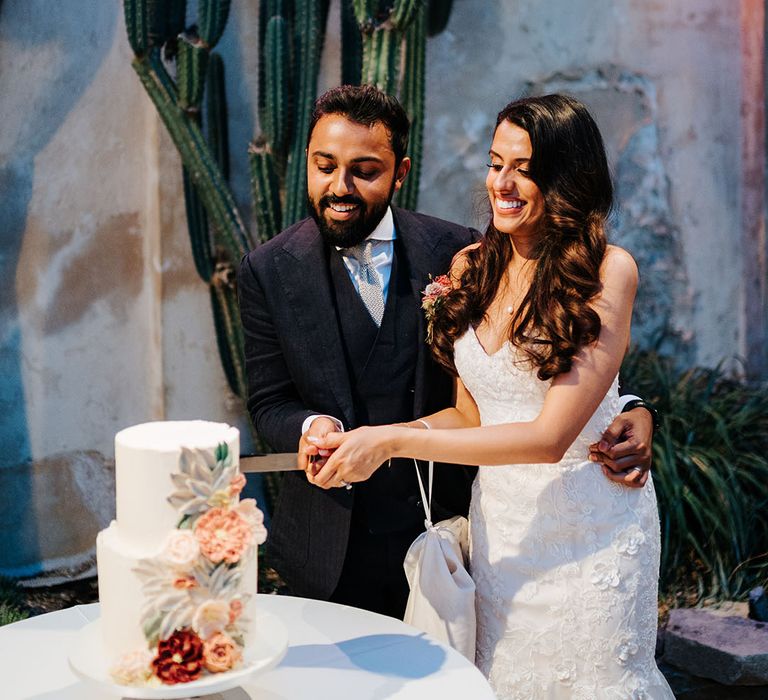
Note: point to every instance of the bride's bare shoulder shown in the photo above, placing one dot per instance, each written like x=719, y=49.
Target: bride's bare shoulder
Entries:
x=618, y=270
x=460, y=262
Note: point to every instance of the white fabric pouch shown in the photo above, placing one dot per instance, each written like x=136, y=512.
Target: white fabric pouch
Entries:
x=442, y=597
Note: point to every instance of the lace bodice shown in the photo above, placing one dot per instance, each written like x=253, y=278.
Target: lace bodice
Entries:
x=565, y=561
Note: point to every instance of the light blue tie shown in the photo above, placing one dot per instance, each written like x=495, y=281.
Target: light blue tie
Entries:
x=368, y=282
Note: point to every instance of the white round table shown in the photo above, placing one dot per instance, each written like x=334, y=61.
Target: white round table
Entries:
x=334, y=652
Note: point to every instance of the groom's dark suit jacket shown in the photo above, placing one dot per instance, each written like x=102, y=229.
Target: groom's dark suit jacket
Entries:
x=311, y=348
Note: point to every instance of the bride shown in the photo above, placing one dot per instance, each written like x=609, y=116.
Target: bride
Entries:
x=534, y=328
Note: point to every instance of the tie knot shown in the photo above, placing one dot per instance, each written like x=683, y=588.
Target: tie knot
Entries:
x=363, y=252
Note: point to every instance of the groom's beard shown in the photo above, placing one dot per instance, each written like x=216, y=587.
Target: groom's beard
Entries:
x=347, y=233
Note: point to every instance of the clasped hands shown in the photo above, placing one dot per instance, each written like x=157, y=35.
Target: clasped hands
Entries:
x=333, y=459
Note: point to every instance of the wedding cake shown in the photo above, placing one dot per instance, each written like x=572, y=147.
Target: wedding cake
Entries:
x=178, y=566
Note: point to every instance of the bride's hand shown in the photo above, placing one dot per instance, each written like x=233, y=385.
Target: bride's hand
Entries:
x=358, y=454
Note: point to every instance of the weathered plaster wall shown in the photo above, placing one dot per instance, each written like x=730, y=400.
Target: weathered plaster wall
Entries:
x=103, y=321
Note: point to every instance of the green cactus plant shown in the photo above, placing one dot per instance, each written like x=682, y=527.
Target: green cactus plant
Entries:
x=191, y=102
x=383, y=24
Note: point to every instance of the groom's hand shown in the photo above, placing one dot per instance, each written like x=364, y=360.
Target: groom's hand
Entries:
x=625, y=449
x=310, y=458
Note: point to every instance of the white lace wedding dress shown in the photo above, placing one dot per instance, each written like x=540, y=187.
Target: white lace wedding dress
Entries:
x=565, y=561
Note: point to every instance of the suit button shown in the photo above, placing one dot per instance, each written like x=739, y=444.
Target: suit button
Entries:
x=412, y=390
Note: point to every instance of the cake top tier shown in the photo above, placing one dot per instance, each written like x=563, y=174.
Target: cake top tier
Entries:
x=147, y=459
x=170, y=436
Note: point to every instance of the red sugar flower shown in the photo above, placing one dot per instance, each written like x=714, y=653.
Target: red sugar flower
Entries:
x=179, y=658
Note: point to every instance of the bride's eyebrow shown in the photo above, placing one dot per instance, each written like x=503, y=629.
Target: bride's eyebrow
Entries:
x=514, y=160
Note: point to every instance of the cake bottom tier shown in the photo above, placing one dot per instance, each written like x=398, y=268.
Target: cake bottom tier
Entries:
x=124, y=594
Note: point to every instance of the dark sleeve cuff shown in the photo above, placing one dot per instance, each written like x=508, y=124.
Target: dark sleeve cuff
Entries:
x=642, y=403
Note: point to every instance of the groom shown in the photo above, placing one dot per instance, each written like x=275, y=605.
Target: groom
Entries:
x=334, y=339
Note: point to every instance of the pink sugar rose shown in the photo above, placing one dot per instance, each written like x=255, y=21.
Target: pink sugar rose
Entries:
x=220, y=653
x=181, y=549
x=211, y=616
x=223, y=535
x=237, y=484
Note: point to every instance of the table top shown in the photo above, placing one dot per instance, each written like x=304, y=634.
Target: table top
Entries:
x=334, y=651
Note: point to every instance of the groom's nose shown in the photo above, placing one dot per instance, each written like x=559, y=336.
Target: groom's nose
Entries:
x=342, y=183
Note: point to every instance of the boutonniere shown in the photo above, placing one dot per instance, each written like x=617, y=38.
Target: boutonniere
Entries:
x=434, y=296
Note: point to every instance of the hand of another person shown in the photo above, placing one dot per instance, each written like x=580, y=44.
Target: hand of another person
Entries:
x=625, y=449
x=310, y=458
x=355, y=456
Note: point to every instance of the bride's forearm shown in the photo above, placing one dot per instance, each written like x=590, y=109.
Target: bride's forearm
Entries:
x=448, y=418
x=511, y=443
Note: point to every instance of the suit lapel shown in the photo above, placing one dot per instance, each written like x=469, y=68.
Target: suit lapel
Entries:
x=305, y=279
x=419, y=248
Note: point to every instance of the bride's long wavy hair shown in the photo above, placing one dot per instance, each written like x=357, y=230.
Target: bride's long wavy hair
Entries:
x=569, y=166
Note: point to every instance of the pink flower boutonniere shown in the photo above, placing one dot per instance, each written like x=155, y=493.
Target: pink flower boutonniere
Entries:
x=434, y=295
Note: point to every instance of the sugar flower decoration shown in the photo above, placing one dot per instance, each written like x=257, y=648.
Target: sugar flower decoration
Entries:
x=179, y=658
x=223, y=535
x=133, y=668
x=211, y=617
x=181, y=549
x=220, y=653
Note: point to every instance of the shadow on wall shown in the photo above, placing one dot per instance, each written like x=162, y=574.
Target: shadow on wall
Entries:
x=49, y=54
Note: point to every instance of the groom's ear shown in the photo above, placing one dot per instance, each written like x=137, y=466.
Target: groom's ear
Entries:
x=402, y=171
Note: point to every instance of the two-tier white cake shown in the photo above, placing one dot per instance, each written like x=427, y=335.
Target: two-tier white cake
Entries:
x=178, y=565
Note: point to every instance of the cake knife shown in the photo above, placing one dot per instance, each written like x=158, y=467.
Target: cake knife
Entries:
x=277, y=462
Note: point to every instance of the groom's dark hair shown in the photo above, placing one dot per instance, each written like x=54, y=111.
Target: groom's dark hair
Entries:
x=366, y=105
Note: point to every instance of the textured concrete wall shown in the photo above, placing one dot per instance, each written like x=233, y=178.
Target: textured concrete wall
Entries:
x=103, y=321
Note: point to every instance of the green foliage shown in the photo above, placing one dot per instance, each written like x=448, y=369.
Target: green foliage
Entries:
x=11, y=603
x=9, y=614
x=711, y=474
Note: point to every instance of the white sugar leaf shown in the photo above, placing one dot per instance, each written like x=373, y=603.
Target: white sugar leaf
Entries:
x=200, y=488
x=179, y=480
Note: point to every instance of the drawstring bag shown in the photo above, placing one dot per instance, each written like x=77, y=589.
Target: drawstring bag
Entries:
x=442, y=597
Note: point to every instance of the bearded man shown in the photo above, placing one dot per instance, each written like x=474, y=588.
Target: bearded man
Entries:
x=334, y=339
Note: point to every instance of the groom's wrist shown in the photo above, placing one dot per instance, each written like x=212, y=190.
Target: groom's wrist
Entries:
x=634, y=403
x=307, y=424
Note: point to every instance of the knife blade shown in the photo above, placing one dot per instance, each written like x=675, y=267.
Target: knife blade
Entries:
x=278, y=462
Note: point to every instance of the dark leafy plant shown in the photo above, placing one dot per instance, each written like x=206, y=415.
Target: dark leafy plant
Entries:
x=11, y=602
x=711, y=474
